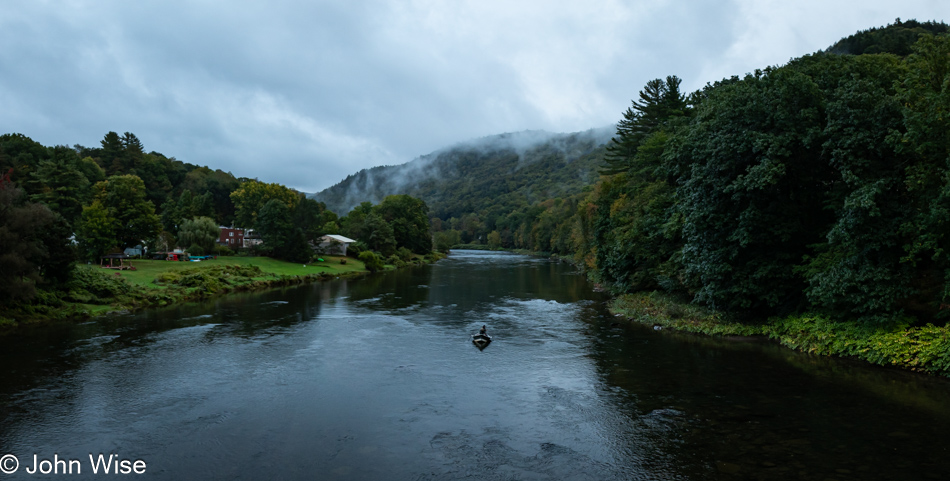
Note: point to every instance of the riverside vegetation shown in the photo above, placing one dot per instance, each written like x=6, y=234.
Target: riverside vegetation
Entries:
x=93, y=291
x=62, y=207
x=807, y=202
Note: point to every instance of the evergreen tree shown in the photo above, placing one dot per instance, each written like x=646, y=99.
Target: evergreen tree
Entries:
x=61, y=186
x=112, y=154
x=659, y=102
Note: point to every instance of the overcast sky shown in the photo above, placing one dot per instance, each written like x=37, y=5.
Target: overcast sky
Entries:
x=305, y=92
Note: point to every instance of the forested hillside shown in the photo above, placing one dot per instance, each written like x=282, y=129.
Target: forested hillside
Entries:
x=63, y=176
x=896, y=38
x=817, y=186
x=820, y=186
x=499, y=173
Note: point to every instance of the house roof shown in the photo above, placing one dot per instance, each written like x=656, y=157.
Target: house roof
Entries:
x=339, y=238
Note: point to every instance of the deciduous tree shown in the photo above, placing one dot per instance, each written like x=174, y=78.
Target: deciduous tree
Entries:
x=198, y=231
x=252, y=195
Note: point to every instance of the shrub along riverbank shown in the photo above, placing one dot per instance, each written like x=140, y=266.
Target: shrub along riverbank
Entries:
x=94, y=291
x=922, y=348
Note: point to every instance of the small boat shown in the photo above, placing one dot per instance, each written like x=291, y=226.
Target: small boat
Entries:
x=481, y=340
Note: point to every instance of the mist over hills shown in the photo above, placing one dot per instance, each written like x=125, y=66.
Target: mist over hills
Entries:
x=510, y=170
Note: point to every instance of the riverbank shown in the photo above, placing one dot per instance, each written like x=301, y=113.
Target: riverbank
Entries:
x=94, y=291
x=923, y=349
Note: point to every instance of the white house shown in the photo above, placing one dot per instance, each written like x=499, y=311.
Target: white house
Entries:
x=334, y=244
x=251, y=238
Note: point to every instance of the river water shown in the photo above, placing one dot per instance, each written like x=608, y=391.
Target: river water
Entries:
x=377, y=378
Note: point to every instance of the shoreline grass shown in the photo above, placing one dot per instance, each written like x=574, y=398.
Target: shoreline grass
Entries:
x=147, y=270
x=924, y=349
x=94, y=291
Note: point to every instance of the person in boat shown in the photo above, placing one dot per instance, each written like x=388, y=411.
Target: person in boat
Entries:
x=483, y=331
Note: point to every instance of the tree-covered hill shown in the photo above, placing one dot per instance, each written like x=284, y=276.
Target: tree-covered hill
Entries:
x=896, y=38
x=504, y=171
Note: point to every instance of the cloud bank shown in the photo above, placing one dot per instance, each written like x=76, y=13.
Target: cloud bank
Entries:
x=305, y=92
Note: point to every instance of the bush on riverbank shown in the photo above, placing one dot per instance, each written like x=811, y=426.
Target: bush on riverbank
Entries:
x=212, y=278
x=89, y=291
x=371, y=260
x=923, y=348
x=664, y=310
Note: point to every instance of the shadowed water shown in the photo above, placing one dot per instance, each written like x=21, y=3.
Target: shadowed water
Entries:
x=377, y=378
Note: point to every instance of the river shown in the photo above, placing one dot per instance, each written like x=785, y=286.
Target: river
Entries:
x=377, y=378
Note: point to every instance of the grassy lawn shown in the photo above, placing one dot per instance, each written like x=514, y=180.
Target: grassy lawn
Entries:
x=94, y=291
x=147, y=270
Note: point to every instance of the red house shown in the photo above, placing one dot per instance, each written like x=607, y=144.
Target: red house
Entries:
x=231, y=237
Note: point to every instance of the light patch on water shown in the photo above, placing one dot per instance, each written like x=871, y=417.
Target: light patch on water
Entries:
x=368, y=301
x=536, y=319
x=195, y=318
x=98, y=341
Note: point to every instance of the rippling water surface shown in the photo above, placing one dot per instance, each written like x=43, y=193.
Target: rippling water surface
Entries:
x=377, y=378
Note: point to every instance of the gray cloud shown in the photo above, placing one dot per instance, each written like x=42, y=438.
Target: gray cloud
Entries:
x=305, y=92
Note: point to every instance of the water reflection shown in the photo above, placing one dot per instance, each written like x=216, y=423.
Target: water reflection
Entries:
x=377, y=378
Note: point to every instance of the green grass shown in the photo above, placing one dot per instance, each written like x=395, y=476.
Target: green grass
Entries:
x=93, y=291
x=915, y=348
x=147, y=270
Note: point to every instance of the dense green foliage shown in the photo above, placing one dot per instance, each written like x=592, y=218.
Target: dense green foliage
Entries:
x=119, y=196
x=409, y=219
x=201, y=232
x=119, y=210
x=371, y=260
x=283, y=239
x=819, y=185
x=660, y=101
x=33, y=244
x=66, y=179
x=251, y=196
x=399, y=222
x=896, y=39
